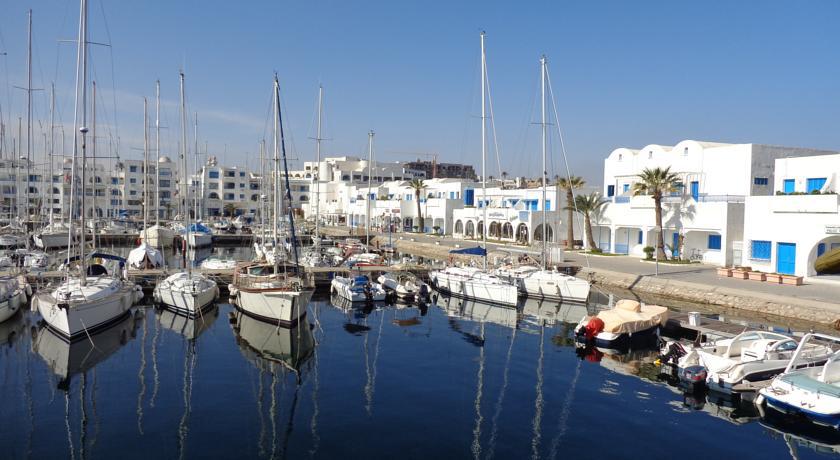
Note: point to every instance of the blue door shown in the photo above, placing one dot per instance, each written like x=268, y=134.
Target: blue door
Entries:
x=469, y=197
x=786, y=258
x=790, y=185
x=695, y=190
x=675, y=252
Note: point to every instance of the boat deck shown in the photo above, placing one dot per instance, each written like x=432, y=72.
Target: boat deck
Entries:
x=678, y=325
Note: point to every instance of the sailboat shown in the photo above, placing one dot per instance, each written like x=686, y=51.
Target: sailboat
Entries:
x=271, y=291
x=145, y=255
x=545, y=282
x=157, y=235
x=314, y=257
x=187, y=293
x=91, y=298
x=470, y=282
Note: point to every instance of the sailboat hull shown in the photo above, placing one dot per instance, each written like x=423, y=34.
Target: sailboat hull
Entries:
x=563, y=290
x=476, y=289
x=283, y=307
x=77, y=319
x=53, y=240
x=200, y=240
x=159, y=237
x=187, y=304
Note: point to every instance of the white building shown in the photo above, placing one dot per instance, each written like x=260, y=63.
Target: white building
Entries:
x=799, y=220
x=704, y=218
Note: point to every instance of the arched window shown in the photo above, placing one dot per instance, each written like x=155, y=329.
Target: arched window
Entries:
x=213, y=196
x=459, y=226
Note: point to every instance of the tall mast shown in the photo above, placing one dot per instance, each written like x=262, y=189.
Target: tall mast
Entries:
x=81, y=97
x=93, y=153
x=51, y=152
x=29, y=115
x=145, y=165
x=317, y=171
x=157, y=149
x=195, y=160
x=544, y=172
x=288, y=193
x=262, y=190
x=276, y=208
x=368, y=198
x=186, y=209
x=484, y=147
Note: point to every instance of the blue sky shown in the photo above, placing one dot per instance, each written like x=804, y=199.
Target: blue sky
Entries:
x=623, y=73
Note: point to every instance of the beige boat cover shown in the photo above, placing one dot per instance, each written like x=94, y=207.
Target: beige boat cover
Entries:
x=629, y=317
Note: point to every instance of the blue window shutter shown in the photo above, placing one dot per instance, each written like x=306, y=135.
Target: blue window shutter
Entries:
x=610, y=190
x=790, y=185
x=695, y=190
x=760, y=250
x=469, y=197
x=641, y=236
x=714, y=242
x=820, y=249
x=625, y=188
x=815, y=184
x=548, y=205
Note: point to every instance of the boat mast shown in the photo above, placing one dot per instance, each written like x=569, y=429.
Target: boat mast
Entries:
x=544, y=172
x=368, y=198
x=484, y=147
x=145, y=166
x=28, y=116
x=276, y=184
x=195, y=160
x=157, y=149
x=286, y=173
x=81, y=68
x=93, y=153
x=317, y=171
x=51, y=151
x=262, y=191
x=186, y=175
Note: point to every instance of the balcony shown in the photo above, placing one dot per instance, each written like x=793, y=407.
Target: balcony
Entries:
x=813, y=204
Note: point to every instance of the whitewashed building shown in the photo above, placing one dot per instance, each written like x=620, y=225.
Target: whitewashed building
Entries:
x=704, y=219
x=798, y=221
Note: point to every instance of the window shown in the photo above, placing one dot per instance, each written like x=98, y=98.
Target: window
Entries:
x=241, y=196
x=760, y=181
x=229, y=185
x=241, y=173
x=165, y=172
x=610, y=190
x=345, y=177
x=164, y=183
x=685, y=152
x=790, y=185
x=548, y=205
x=213, y=174
x=230, y=173
x=132, y=180
x=815, y=184
x=625, y=188
x=229, y=196
x=114, y=181
x=695, y=190
x=619, y=157
x=714, y=242
x=133, y=192
x=760, y=250
x=132, y=169
x=213, y=186
x=407, y=197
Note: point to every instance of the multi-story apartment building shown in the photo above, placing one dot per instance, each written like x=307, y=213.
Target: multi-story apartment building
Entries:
x=703, y=219
x=433, y=169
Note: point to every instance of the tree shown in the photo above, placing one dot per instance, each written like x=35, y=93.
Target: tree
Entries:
x=418, y=186
x=587, y=205
x=504, y=178
x=229, y=208
x=656, y=182
x=569, y=184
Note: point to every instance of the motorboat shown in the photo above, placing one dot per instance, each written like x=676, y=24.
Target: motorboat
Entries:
x=217, y=263
x=158, y=236
x=118, y=227
x=275, y=296
x=357, y=289
x=404, y=284
x=476, y=284
x=187, y=293
x=365, y=259
x=617, y=327
x=750, y=356
x=145, y=256
x=809, y=391
x=55, y=235
x=14, y=291
x=90, y=301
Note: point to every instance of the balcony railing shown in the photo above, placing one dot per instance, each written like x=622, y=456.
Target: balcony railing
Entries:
x=621, y=199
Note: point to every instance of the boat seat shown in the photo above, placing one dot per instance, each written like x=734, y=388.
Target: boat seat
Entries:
x=800, y=380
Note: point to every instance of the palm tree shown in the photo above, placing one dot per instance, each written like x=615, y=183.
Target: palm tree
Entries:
x=587, y=205
x=569, y=184
x=418, y=186
x=230, y=208
x=657, y=182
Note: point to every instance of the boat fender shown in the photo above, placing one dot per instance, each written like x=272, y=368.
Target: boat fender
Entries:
x=593, y=328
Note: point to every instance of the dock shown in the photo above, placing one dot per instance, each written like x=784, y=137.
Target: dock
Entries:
x=678, y=326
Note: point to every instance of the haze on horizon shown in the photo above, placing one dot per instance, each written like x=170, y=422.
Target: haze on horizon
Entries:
x=624, y=74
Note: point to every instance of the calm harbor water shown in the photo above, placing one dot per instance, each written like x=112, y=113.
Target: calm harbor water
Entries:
x=453, y=379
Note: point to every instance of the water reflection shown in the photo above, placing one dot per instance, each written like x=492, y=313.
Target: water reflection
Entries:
x=190, y=328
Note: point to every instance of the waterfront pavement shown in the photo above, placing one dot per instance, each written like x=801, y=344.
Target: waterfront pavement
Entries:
x=815, y=294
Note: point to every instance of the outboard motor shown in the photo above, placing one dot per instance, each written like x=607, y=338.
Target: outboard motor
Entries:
x=694, y=378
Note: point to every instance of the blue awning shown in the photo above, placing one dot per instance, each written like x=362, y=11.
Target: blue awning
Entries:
x=476, y=251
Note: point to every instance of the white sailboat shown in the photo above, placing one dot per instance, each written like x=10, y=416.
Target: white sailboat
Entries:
x=313, y=257
x=468, y=282
x=145, y=255
x=272, y=291
x=84, y=302
x=157, y=235
x=187, y=293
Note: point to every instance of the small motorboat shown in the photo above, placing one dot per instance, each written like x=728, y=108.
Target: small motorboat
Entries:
x=615, y=328
x=404, y=284
x=217, y=263
x=751, y=356
x=812, y=392
x=365, y=259
x=357, y=289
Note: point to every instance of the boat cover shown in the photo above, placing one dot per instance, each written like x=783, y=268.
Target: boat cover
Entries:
x=630, y=316
x=476, y=251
